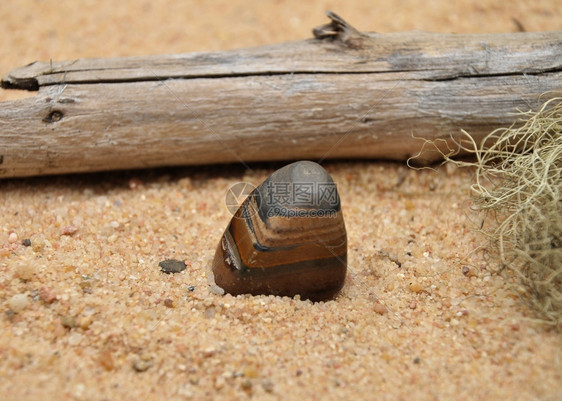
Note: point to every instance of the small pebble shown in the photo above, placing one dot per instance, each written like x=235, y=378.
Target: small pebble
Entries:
x=209, y=352
x=106, y=360
x=250, y=372
x=25, y=271
x=85, y=321
x=75, y=339
x=247, y=386
x=267, y=385
x=86, y=283
x=409, y=205
x=69, y=230
x=215, y=289
x=68, y=322
x=12, y=238
x=47, y=295
x=143, y=364
x=168, y=303
x=380, y=309
x=417, y=360
x=26, y=242
x=415, y=287
x=172, y=266
x=220, y=382
x=413, y=305
x=210, y=313
x=18, y=302
x=38, y=244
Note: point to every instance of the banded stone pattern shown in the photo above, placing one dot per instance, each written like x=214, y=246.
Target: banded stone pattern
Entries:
x=287, y=238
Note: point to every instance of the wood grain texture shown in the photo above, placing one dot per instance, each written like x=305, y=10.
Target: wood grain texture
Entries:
x=343, y=94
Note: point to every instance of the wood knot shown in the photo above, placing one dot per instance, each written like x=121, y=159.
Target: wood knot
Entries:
x=339, y=30
x=53, y=116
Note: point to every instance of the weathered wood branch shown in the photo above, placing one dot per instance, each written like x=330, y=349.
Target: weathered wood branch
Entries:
x=343, y=94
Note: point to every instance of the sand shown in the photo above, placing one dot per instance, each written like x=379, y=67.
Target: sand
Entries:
x=87, y=313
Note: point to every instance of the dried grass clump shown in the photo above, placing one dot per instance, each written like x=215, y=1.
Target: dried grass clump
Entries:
x=519, y=179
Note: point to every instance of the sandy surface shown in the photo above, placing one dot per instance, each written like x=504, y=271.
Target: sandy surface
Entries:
x=87, y=314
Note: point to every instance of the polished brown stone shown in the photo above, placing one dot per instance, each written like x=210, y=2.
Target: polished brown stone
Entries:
x=287, y=238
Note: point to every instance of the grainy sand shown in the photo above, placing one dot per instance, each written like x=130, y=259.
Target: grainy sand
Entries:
x=87, y=314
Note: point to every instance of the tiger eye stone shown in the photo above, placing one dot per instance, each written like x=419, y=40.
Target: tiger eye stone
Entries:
x=287, y=238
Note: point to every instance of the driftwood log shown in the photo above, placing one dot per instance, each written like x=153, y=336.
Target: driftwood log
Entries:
x=342, y=94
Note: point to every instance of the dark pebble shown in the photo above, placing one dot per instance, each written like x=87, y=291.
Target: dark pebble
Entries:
x=172, y=266
x=417, y=359
x=26, y=242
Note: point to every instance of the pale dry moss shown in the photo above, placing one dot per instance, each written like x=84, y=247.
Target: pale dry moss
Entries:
x=518, y=183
